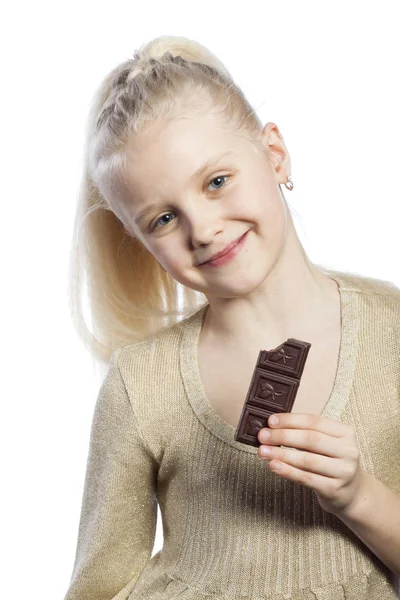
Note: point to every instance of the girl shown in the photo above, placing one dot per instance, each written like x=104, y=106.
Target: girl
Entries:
x=193, y=265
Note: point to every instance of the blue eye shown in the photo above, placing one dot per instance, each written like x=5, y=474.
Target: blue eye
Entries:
x=162, y=217
x=219, y=177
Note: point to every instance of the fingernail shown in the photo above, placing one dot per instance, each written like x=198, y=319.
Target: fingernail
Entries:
x=265, y=435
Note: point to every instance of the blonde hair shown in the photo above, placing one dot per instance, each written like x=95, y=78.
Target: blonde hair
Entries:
x=130, y=296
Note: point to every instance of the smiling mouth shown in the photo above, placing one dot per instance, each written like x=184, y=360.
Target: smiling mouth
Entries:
x=224, y=252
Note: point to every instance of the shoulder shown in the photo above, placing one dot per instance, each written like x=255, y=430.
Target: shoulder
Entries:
x=372, y=289
x=376, y=301
x=364, y=284
x=378, y=304
x=160, y=349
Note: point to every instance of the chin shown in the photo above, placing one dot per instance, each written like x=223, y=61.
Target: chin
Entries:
x=236, y=286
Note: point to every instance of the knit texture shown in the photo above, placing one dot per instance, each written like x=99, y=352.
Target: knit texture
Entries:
x=233, y=530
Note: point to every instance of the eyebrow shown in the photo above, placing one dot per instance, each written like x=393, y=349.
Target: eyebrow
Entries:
x=207, y=165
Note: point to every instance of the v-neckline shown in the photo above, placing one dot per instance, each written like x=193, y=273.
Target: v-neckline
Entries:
x=190, y=373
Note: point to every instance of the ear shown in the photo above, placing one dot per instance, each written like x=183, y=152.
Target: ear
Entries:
x=279, y=156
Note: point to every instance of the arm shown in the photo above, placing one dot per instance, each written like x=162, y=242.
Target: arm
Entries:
x=375, y=518
x=331, y=467
x=119, y=507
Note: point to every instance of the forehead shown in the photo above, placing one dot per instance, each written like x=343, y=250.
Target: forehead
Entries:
x=165, y=156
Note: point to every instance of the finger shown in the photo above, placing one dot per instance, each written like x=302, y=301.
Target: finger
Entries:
x=319, y=483
x=307, y=461
x=310, y=440
x=308, y=421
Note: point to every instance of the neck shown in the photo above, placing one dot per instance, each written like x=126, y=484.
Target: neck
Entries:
x=295, y=300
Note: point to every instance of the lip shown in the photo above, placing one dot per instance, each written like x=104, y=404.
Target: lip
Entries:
x=227, y=253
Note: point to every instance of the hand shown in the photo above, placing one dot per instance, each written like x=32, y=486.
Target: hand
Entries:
x=330, y=464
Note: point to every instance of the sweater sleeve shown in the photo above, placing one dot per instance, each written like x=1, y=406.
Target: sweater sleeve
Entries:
x=119, y=507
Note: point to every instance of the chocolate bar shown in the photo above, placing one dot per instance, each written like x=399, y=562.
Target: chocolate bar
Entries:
x=273, y=388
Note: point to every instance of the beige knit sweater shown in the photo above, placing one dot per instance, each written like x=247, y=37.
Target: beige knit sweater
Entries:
x=232, y=528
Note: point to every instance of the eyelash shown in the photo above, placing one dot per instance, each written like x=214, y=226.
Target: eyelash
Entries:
x=155, y=227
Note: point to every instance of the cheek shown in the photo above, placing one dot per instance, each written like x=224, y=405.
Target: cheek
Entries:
x=261, y=204
x=241, y=203
x=274, y=213
x=171, y=252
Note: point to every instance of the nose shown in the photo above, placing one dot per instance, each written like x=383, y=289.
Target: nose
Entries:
x=203, y=225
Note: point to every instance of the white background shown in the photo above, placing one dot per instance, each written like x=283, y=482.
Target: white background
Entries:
x=325, y=72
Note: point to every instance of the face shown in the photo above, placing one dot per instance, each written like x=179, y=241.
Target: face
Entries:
x=184, y=217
